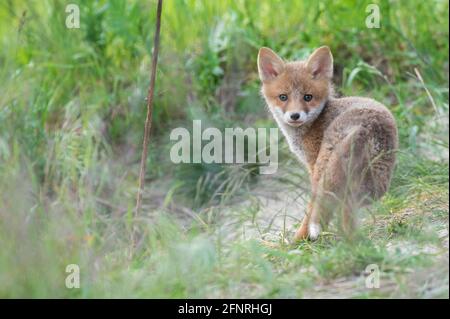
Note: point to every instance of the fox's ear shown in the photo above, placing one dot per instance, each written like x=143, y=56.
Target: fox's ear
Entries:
x=270, y=65
x=320, y=63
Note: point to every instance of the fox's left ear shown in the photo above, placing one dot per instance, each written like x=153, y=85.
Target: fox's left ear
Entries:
x=320, y=63
x=270, y=65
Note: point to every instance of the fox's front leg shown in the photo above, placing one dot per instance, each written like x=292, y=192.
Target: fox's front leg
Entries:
x=318, y=213
x=303, y=231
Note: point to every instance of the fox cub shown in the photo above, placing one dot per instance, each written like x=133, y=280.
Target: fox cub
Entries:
x=347, y=144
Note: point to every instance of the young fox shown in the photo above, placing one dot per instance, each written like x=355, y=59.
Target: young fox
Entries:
x=348, y=144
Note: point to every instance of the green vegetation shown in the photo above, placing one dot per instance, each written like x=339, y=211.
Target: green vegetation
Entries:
x=72, y=109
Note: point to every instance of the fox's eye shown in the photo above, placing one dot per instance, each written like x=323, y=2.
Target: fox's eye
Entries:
x=283, y=97
x=307, y=97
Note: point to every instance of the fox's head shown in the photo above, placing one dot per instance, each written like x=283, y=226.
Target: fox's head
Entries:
x=296, y=92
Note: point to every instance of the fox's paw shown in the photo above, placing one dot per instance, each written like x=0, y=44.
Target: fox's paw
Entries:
x=314, y=231
x=301, y=234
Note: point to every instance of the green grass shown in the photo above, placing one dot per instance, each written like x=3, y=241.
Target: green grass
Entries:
x=72, y=105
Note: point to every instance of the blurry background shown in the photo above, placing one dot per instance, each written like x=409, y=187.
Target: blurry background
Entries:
x=72, y=110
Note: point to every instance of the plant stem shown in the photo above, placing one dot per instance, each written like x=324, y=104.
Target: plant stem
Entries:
x=148, y=121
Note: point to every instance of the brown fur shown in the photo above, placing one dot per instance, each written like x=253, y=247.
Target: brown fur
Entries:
x=348, y=147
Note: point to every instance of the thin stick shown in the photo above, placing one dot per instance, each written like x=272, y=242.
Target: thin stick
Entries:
x=148, y=121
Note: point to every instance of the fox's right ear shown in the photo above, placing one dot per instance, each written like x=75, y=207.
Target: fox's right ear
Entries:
x=320, y=63
x=270, y=65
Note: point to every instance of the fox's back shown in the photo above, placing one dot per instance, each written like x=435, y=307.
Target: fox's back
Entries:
x=344, y=115
x=360, y=132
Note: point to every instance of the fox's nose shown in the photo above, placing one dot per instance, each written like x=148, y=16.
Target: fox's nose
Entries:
x=295, y=116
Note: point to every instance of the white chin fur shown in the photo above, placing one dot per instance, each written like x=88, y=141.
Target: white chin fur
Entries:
x=304, y=117
x=314, y=231
x=294, y=124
